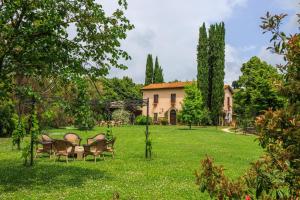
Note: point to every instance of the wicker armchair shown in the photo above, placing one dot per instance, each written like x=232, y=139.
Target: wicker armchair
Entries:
x=73, y=138
x=63, y=148
x=100, y=136
x=95, y=149
x=46, y=138
x=44, y=145
x=110, y=147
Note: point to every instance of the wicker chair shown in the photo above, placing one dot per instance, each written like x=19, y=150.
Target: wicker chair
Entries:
x=73, y=138
x=46, y=138
x=100, y=136
x=110, y=147
x=63, y=148
x=95, y=149
x=44, y=145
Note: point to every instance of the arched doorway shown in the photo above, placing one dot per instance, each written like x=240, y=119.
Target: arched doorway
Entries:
x=173, y=119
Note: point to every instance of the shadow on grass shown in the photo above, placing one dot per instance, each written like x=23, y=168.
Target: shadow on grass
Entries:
x=193, y=128
x=187, y=129
x=14, y=176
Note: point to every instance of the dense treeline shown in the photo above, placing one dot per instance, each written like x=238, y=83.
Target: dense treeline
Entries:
x=77, y=101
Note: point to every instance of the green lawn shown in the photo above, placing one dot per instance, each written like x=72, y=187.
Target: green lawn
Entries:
x=169, y=175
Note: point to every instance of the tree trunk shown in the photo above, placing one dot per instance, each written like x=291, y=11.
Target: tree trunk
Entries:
x=19, y=144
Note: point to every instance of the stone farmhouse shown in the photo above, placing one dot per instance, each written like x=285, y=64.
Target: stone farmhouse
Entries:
x=165, y=100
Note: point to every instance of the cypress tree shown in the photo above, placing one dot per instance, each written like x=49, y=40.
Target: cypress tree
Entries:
x=211, y=62
x=149, y=70
x=161, y=75
x=202, y=64
x=158, y=73
x=217, y=64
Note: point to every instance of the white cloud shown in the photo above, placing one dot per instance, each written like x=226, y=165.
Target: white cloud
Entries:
x=269, y=57
x=169, y=29
x=247, y=48
x=233, y=63
x=289, y=4
x=293, y=7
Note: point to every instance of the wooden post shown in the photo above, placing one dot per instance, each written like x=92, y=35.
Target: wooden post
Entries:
x=31, y=135
x=19, y=124
x=147, y=129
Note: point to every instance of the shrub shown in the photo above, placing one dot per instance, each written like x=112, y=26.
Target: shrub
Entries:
x=54, y=117
x=206, y=120
x=121, y=115
x=81, y=107
x=109, y=134
x=19, y=133
x=7, y=124
x=164, y=121
x=211, y=178
x=87, y=123
x=142, y=120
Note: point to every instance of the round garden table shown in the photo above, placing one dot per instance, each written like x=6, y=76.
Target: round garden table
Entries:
x=79, y=151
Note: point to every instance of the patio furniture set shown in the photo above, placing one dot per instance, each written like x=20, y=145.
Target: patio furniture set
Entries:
x=70, y=146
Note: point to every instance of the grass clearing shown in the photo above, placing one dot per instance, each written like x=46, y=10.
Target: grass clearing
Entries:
x=169, y=175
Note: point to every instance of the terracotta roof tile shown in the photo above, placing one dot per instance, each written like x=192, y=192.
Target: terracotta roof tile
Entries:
x=229, y=87
x=166, y=85
x=155, y=86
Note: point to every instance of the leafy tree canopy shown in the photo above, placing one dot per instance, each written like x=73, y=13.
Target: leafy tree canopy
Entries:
x=35, y=37
x=257, y=89
x=192, y=108
x=120, y=89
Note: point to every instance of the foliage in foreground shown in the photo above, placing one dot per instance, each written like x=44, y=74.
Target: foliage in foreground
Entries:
x=276, y=175
x=34, y=41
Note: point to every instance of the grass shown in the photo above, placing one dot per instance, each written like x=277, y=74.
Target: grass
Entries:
x=169, y=175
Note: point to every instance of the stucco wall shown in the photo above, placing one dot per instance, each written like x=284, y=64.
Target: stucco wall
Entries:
x=164, y=101
x=226, y=95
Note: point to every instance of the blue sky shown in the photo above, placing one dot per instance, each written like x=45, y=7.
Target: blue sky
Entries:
x=169, y=29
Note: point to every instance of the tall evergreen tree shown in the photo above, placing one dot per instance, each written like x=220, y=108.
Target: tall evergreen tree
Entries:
x=217, y=64
x=211, y=61
x=158, y=73
x=202, y=64
x=149, y=70
x=161, y=75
